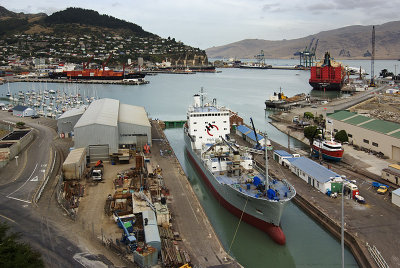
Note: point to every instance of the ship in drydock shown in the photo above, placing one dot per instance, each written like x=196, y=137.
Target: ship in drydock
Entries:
x=230, y=171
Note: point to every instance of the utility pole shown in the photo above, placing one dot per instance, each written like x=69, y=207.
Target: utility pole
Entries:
x=372, y=83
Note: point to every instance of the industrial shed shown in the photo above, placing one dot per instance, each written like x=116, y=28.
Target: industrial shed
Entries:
x=396, y=197
x=107, y=125
x=280, y=155
x=248, y=135
x=134, y=126
x=67, y=121
x=313, y=173
x=374, y=134
x=392, y=174
x=23, y=111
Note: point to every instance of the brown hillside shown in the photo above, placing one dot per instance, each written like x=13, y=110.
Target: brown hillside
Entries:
x=350, y=42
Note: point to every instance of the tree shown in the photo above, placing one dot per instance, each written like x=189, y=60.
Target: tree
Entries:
x=385, y=73
x=14, y=253
x=342, y=136
x=310, y=132
x=308, y=115
x=20, y=124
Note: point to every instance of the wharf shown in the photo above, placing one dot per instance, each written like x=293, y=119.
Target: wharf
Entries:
x=189, y=217
x=374, y=223
x=77, y=81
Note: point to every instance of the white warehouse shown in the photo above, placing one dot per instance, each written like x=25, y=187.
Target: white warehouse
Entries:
x=107, y=126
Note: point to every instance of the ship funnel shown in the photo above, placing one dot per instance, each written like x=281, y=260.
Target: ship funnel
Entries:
x=196, y=100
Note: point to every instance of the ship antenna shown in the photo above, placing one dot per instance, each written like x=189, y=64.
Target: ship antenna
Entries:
x=202, y=97
x=266, y=159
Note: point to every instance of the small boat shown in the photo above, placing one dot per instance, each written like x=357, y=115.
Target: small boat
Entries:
x=330, y=149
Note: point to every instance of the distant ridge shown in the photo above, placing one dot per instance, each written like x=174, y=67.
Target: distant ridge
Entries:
x=351, y=42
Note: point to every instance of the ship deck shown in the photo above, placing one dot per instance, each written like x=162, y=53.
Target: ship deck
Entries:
x=250, y=189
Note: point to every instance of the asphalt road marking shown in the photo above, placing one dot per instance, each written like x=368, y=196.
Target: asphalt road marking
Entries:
x=7, y=218
x=9, y=195
x=19, y=199
x=36, y=178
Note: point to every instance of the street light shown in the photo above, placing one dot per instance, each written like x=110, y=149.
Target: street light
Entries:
x=342, y=231
x=16, y=160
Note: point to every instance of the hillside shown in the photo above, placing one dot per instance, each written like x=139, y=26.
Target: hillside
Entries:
x=352, y=42
x=75, y=34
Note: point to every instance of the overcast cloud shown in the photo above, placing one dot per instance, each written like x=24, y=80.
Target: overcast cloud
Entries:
x=207, y=23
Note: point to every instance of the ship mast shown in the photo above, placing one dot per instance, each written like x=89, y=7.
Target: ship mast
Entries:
x=266, y=159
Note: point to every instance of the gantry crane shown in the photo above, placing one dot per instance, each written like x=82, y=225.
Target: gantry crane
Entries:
x=307, y=56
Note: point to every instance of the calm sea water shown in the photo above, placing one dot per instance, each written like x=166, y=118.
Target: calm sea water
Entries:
x=244, y=91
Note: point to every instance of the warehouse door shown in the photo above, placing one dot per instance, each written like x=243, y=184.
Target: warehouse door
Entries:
x=395, y=153
x=99, y=152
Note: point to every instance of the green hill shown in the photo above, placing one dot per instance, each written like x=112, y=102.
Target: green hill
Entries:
x=93, y=18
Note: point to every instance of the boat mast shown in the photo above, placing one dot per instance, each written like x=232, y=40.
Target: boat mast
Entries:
x=202, y=97
x=266, y=159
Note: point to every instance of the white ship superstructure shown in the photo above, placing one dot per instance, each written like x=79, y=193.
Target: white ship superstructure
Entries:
x=230, y=172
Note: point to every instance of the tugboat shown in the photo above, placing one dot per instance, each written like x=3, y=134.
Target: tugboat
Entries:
x=230, y=171
x=327, y=74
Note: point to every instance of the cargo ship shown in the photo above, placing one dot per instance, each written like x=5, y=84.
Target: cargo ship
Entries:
x=96, y=74
x=230, y=171
x=330, y=149
x=327, y=74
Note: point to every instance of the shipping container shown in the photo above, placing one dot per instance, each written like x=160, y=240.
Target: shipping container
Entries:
x=75, y=164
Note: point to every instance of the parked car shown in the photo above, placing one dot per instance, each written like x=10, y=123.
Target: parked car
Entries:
x=382, y=189
x=35, y=116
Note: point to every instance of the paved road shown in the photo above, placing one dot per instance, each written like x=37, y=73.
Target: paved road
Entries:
x=19, y=183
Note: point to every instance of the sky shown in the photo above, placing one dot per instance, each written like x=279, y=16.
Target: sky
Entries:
x=208, y=23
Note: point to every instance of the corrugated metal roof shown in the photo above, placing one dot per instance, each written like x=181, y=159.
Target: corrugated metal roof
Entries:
x=396, y=192
x=381, y=126
x=340, y=115
x=315, y=170
x=102, y=112
x=73, y=112
x=253, y=137
x=75, y=155
x=20, y=108
x=133, y=115
x=243, y=129
x=282, y=153
x=358, y=119
x=376, y=125
x=396, y=134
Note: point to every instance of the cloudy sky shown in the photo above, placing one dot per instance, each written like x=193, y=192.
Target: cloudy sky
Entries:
x=207, y=23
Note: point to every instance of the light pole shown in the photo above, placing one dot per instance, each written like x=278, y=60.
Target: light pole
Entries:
x=342, y=232
x=16, y=160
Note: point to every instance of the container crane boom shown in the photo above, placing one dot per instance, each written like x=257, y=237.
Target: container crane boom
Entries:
x=108, y=59
x=255, y=133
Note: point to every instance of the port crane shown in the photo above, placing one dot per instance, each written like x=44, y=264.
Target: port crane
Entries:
x=258, y=145
x=86, y=65
x=307, y=56
x=260, y=58
x=372, y=83
x=104, y=64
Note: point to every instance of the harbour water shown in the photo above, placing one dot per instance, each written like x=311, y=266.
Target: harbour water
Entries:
x=167, y=97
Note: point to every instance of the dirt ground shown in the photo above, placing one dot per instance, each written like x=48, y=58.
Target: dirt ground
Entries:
x=385, y=107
